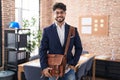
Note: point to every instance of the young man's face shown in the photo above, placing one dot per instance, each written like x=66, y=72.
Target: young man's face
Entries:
x=59, y=15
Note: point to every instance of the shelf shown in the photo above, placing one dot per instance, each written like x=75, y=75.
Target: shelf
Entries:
x=15, y=45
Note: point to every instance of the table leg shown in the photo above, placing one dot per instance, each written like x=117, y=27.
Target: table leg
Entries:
x=94, y=65
x=19, y=74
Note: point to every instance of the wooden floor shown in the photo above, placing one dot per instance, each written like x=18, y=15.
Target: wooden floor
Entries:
x=97, y=78
x=101, y=79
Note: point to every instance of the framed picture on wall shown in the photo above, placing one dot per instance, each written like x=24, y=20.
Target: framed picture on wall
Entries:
x=93, y=25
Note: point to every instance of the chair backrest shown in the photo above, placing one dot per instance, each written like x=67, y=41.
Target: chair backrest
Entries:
x=34, y=57
x=81, y=71
x=85, y=52
x=89, y=65
x=33, y=73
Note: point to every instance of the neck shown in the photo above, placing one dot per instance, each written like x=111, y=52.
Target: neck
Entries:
x=60, y=23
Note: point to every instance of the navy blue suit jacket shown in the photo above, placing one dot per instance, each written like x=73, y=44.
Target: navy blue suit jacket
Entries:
x=50, y=43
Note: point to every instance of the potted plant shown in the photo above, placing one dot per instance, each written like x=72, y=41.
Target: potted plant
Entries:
x=35, y=35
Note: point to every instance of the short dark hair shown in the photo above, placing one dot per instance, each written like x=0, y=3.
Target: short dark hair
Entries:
x=60, y=6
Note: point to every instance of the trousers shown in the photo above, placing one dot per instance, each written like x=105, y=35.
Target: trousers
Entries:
x=70, y=75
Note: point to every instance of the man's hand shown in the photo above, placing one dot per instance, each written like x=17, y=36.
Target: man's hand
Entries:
x=46, y=72
x=72, y=67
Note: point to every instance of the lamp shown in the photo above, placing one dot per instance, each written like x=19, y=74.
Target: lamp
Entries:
x=14, y=24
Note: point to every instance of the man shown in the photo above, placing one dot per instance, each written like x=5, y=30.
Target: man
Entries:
x=54, y=41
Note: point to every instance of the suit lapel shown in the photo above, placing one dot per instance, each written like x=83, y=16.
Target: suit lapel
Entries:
x=55, y=33
x=66, y=33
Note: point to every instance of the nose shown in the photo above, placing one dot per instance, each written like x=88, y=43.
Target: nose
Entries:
x=59, y=15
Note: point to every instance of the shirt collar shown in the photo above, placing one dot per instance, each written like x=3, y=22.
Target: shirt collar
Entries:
x=63, y=25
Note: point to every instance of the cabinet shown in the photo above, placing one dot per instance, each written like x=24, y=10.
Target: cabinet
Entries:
x=15, y=47
x=108, y=68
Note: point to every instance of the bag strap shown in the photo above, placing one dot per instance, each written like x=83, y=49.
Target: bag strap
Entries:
x=70, y=34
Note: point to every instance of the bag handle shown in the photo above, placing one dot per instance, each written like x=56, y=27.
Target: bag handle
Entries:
x=70, y=34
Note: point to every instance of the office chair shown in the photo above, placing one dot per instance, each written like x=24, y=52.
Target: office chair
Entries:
x=81, y=71
x=34, y=57
x=88, y=72
x=33, y=73
x=85, y=52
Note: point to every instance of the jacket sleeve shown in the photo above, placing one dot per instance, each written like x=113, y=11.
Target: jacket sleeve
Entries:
x=78, y=47
x=43, y=50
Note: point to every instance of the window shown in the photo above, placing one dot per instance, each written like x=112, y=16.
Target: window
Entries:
x=26, y=10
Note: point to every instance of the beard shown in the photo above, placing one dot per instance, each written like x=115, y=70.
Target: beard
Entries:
x=60, y=19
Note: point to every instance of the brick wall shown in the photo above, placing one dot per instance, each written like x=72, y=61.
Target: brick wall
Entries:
x=45, y=13
x=8, y=15
x=8, y=12
x=75, y=8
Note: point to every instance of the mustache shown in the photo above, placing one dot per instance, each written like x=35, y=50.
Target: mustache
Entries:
x=60, y=17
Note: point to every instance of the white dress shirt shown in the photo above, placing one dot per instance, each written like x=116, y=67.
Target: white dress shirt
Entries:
x=61, y=34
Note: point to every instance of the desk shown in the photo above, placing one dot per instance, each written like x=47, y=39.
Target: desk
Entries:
x=108, y=57
x=83, y=59
x=109, y=64
x=31, y=63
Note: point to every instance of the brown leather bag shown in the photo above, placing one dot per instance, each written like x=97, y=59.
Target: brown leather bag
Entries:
x=57, y=61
